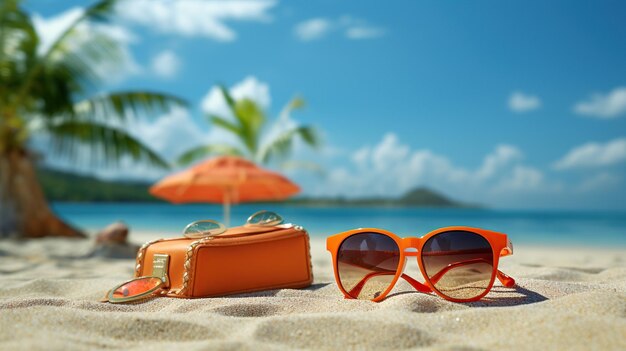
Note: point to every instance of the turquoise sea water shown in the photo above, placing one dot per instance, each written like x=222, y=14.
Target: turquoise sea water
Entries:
x=551, y=228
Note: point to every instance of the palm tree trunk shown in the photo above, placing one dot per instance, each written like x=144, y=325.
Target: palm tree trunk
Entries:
x=24, y=211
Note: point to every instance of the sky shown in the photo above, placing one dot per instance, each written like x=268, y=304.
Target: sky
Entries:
x=516, y=104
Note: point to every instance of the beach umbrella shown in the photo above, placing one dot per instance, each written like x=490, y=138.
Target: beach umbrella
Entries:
x=226, y=180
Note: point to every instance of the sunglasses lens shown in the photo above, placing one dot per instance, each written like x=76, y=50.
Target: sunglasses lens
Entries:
x=265, y=218
x=200, y=229
x=135, y=288
x=459, y=264
x=367, y=264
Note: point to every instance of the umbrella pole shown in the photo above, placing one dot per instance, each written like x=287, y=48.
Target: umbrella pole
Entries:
x=227, y=208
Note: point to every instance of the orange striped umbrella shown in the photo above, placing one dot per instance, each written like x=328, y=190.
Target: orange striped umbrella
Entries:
x=226, y=180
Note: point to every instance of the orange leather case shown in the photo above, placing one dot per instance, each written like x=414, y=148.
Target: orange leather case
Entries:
x=242, y=259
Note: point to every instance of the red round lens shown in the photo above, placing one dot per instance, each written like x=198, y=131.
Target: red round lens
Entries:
x=136, y=288
x=367, y=264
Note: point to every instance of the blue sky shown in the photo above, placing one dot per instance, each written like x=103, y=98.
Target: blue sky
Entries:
x=516, y=104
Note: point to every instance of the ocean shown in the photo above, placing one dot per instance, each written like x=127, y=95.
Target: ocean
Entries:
x=546, y=228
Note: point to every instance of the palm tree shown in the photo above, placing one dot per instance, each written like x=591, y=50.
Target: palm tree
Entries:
x=51, y=93
x=248, y=126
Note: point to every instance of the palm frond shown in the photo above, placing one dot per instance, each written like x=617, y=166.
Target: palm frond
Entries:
x=247, y=126
x=229, y=99
x=309, y=135
x=100, y=11
x=282, y=144
x=107, y=144
x=87, y=58
x=207, y=150
x=296, y=103
x=225, y=124
x=121, y=105
x=250, y=114
x=18, y=46
x=75, y=59
x=251, y=119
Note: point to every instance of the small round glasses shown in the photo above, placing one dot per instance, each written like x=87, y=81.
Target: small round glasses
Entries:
x=264, y=219
x=209, y=227
x=203, y=228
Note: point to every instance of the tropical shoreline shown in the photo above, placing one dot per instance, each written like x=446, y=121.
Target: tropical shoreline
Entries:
x=63, y=186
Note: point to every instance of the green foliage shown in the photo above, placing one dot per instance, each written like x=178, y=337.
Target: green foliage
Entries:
x=203, y=150
x=110, y=141
x=424, y=196
x=282, y=144
x=122, y=105
x=419, y=197
x=62, y=186
x=247, y=126
x=51, y=91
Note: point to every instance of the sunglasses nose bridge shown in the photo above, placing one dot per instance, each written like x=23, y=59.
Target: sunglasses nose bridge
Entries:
x=410, y=246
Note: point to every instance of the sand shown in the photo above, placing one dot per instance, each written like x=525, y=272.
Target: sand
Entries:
x=566, y=299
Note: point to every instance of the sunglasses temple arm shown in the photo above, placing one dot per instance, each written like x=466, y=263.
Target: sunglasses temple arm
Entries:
x=506, y=280
x=417, y=285
x=359, y=286
x=503, y=278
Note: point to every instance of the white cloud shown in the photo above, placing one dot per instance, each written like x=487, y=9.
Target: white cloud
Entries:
x=591, y=155
x=253, y=89
x=314, y=28
x=49, y=29
x=520, y=102
x=500, y=158
x=117, y=32
x=611, y=105
x=200, y=18
x=166, y=64
x=522, y=178
x=250, y=88
x=364, y=32
x=360, y=156
x=388, y=153
x=600, y=181
x=390, y=168
x=352, y=28
x=170, y=134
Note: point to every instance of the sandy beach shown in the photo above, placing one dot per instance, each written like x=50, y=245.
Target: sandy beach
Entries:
x=565, y=299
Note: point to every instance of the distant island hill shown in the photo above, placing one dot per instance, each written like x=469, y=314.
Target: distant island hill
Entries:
x=63, y=186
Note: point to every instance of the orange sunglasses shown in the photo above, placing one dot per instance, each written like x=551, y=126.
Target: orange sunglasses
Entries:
x=458, y=263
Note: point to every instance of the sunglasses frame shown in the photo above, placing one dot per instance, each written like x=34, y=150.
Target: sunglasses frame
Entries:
x=279, y=219
x=500, y=245
x=221, y=228
x=141, y=296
